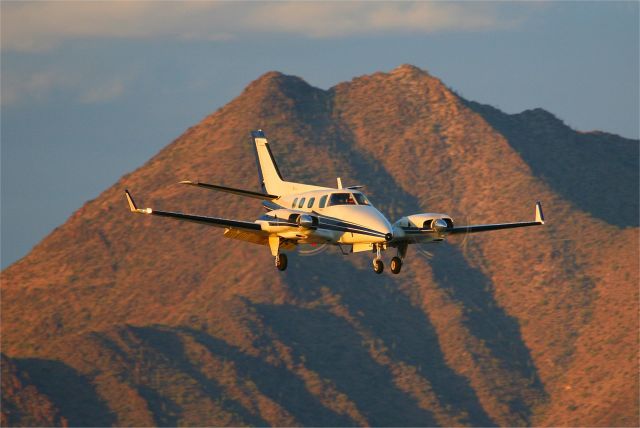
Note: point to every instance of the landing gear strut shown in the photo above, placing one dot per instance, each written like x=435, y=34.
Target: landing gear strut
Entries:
x=281, y=261
x=378, y=266
x=274, y=245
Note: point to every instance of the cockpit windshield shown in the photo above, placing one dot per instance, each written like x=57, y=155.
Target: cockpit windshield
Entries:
x=362, y=199
x=348, y=199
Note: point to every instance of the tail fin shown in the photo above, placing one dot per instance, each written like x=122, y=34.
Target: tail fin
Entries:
x=271, y=180
x=270, y=177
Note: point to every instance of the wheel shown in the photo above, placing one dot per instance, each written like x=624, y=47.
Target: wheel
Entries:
x=396, y=265
x=281, y=261
x=378, y=266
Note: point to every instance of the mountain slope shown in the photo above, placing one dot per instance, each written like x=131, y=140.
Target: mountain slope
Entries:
x=168, y=323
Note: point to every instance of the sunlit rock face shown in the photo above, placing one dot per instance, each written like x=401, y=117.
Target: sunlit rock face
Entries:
x=118, y=319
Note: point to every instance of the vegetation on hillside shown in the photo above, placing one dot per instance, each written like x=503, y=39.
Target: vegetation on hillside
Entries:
x=126, y=320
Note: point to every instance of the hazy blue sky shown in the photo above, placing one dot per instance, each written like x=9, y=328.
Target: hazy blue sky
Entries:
x=91, y=90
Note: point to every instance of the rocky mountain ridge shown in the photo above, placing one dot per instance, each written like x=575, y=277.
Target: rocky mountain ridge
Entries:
x=162, y=323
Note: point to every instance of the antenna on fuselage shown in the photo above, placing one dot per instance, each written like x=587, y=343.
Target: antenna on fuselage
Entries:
x=339, y=183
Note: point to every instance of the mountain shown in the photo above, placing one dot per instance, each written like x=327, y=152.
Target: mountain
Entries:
x=116, y=319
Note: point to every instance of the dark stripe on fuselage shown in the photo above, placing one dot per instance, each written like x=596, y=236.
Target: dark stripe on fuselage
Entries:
x=329, y=223
x=341, y=223
x=348, y=229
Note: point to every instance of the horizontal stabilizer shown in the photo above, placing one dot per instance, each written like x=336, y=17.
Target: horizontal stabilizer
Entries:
x=246, y=193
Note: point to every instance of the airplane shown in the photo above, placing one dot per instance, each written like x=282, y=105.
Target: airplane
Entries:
x=300, y=213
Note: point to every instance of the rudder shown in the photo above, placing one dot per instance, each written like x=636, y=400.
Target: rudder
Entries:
x=271, y=180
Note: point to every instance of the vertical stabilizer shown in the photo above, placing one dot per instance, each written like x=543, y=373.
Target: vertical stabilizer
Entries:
x=270, y=177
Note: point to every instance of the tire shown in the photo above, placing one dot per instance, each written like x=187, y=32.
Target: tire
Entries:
x=281, y=261
x=378, y=266
x=396, y=265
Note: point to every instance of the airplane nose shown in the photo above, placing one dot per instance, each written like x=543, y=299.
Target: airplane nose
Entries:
x=375, y=220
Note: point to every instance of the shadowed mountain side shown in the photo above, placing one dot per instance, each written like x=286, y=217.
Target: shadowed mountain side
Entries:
x=487, y=321
x=276, y=382
x=170, y=323
x=397, y=333
x=170, y=346
x=70, y=391
x=22, y=403
x=579, y=166
x=342, y=360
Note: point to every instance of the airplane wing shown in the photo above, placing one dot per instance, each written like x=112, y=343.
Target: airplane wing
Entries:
x=211, y=221
x=539, y=220
x=247, y=193
x=439, y=229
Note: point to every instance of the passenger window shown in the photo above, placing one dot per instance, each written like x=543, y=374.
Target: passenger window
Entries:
x=311, y=201
x=301, y=204
x=295, y=201
x=323, y=201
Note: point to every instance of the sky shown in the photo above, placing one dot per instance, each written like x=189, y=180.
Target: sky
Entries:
x=91, y=90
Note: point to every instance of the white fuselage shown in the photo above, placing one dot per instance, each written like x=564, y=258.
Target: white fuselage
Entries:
x=342, y=216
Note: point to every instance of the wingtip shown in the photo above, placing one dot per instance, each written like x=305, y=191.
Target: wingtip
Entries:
x=539, y=214
x=186, y=182
x=132, y=204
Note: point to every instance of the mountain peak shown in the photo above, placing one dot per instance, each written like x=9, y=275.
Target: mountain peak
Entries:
x=277, y=79
x=409, y=70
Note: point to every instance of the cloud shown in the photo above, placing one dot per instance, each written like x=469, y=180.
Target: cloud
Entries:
x=103, y=93
x=33, y=87
x=333, y=19
x=40, y=26
x=24, y=88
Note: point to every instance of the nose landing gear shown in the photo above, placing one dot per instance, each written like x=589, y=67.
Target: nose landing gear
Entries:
x=396, y=262
x=378, y=265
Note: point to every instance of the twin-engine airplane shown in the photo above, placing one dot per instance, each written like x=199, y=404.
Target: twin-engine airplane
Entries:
x=304, y=214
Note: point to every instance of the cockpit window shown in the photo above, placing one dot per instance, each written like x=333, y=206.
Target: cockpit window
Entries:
x=342, y=199
x=362, y=199
x=323, y=201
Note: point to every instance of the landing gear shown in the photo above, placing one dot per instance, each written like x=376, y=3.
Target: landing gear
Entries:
x=281, y=261
x=396, y=265
x=378, y=266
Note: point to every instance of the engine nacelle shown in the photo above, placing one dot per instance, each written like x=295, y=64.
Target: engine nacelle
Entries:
x=425, y=221
x=307, y=221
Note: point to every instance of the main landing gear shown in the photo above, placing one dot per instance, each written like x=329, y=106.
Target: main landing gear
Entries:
x=396, y=265
x=281, y=261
